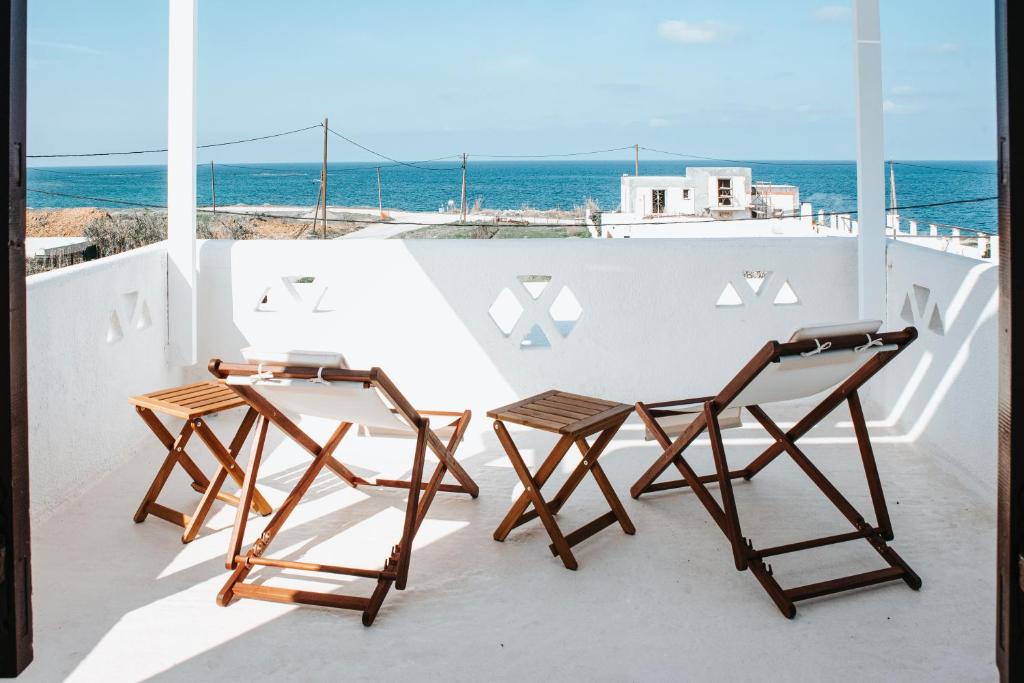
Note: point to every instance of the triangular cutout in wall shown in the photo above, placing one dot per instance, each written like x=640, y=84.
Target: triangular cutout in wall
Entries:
x=935, y=323
x=729, y=296
x=786, y=295
x=535, y=339
x=114, y=331
x=907, y=312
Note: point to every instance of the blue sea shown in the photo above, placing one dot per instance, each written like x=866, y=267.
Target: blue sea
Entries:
x=828, y=185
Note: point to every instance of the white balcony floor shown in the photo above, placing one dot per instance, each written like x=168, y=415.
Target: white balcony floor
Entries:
x=119, y=601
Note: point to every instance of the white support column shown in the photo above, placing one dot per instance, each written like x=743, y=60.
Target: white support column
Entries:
x=181, y=181
x=871, y=240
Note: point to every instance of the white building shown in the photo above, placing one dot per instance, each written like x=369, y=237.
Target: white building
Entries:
x=717, y=191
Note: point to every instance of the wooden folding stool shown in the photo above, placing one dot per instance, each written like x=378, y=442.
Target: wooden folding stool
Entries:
x=192, y=403
x=573, y=418
x=839, y=363
x=342, y=394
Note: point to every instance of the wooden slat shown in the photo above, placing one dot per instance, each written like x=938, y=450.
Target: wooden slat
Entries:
x=846, y=583
x=315, y=567
x=599, y=421
x=214, y=406
x=559, y=409
x=214, y=394
x=168, y=515
x=576, y=404
x=587, y=530
x=533, y=421
x=290, y=596
x=497, y=412
x=550, y=417
x=588, y=399
x=175, y=391
x=187, y=397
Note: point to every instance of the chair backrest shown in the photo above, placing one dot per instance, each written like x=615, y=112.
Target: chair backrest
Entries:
x=345, y=400
x=792, y=373
x=342, y=401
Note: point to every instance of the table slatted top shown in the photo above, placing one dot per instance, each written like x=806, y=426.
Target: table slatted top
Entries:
x=191, y=400
x=563, y=413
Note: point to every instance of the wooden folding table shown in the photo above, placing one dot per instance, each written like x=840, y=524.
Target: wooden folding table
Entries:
x=573, y=418
x=192, y=403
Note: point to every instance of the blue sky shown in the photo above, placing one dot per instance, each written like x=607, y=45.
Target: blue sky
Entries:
x=744, y=79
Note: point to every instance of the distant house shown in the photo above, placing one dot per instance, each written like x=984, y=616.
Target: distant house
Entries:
x=723, y=192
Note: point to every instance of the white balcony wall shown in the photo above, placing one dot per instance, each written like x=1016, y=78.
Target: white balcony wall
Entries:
x=653, y=322
x=942, y=390
x=97, y=334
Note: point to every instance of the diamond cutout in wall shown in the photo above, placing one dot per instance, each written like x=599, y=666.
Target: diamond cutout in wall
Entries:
x=907, y=312
x=565, y=311
x=114, y=331
x=786, y=295
x=729, y=296
x=535, y=284
x=535, y=339
x=505, y=311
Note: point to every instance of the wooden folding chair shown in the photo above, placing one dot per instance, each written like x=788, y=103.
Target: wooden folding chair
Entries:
x=838, y=359
x=192, y=403
x=364, y=397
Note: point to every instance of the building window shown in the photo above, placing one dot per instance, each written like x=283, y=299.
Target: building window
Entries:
x=657, y=201
x=686, y=193
x=725, y=191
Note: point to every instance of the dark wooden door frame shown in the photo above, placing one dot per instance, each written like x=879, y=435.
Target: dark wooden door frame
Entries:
x=15, y=567
x=1010, y=533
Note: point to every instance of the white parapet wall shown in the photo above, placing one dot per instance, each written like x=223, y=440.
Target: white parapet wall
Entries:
x=478, y=323
x=97, y=334
x=942, y=390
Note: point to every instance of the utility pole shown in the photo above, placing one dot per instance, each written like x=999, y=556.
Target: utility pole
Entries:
x=380, y=197
x=464, y=187
x=213, y=186
x=892, y=194
x=636, y=150
x=323, y=180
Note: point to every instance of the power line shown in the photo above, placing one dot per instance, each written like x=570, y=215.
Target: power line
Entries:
x=549, y=156
x=396, y=161
x=794, y=214
x=940, y=168
x=762, y=163
x=153, y=151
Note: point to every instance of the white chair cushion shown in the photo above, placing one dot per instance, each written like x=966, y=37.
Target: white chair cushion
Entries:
x=674, y=425
x=820, y=331
x=310, y=359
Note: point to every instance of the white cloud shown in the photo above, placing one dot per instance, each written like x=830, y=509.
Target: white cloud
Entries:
x=684, y=32
x=832, y=14
x=894, y=107
x=946, y=48
x=660, y=122
x=67, y=47
x=901, y=89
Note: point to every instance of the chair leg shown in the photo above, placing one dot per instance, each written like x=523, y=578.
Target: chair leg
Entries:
x=242, y=568
x=732, y=520
x=533, y=495
x=176, y=447
x=517, y=514
x=212, y=490
x=867, y=454
x=245, y=497
x=412, y=506
x=227, y=460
